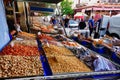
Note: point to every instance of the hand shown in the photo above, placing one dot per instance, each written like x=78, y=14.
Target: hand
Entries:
x=12, y=32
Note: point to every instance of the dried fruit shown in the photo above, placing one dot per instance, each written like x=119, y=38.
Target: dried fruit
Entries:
x=19, y=49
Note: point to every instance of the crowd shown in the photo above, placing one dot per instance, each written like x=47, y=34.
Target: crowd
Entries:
x=93, y=24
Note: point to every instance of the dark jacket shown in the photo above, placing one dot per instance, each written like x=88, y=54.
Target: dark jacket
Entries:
x=82, y=25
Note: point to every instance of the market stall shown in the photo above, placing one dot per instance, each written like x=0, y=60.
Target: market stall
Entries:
x=48, y=56
x=61, y=51
x=106, y=46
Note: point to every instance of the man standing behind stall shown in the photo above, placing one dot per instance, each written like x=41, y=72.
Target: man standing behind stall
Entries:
x=91, y=25
x=82, y=24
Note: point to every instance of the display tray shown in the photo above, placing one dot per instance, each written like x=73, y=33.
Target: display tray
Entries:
x=19, y=59
x=105, y=50
x=58, y=62
x=52, y=32
x=26, y=36
x=35, y=31
x=61, y=60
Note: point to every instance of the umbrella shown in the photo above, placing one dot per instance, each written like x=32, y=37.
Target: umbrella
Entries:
x=80, y=15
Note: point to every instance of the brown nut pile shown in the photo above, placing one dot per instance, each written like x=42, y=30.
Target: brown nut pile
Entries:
x=18, y=66
x=61, y=60
x=66, y=64
x=55, y=50
x=27, y=36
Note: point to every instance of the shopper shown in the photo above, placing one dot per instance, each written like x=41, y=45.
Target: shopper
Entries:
x=53, y=21
x=66, y=21
x=82, y=24
x=91, y=25
x=95, y=24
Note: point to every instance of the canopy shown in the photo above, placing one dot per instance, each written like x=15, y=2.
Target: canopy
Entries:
x=48, y=1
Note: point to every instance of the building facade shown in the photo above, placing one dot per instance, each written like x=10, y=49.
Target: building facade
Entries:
x=103, y=7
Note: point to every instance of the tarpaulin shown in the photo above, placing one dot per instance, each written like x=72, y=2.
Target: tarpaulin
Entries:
x=4, y=32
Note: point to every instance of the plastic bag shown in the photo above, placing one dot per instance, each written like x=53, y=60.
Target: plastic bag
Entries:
x=102, y=64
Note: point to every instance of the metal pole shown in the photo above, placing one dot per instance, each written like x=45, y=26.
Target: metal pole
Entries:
x=26, y=16
x=61, y=21
x=14, y=12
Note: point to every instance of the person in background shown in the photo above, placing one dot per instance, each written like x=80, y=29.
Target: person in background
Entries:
x=17, y=23
x=96, y=28
x=78, y=20
x=13, y=27
x=53, y=20
x=82, y=24
x=95, y=24
x=91, y=25
x=66, y=21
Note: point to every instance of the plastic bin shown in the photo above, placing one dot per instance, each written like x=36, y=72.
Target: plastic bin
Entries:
x=100, y=50
x=86, y=44
x=115, y=58
x=46, y=67
x=107, y=76
x=75, y=38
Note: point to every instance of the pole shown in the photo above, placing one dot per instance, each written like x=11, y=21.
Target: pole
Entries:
x=61, y=21
x=26, y=16
x=14, y=12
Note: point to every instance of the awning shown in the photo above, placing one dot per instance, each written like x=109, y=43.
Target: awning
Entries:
x=48, y=1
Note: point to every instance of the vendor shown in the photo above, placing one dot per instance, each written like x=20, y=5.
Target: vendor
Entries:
x=11, y=26
x=14, y=28
x=17, y=23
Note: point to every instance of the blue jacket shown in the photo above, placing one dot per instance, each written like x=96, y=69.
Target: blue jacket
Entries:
x=91, y=21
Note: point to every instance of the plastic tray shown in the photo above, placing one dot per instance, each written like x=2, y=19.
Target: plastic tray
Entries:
x=86, y=44
x=44, y=61
x=99, y=50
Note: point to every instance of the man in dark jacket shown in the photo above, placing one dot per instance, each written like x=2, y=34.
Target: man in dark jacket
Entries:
x=82, y=24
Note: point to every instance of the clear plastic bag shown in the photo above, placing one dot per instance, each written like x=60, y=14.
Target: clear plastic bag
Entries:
x=102, y=64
